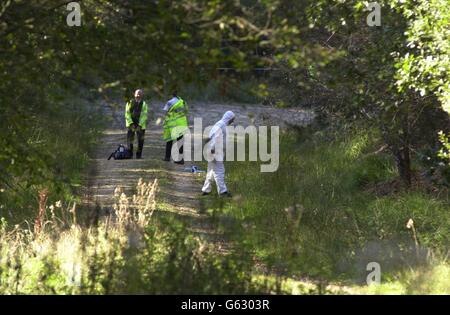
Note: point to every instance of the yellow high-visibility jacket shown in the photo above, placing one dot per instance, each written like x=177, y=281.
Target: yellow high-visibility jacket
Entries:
x=176, y=122
x=142, y=117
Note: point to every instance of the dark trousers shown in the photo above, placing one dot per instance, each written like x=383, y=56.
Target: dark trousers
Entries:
x=169, y=145
x=130, y=139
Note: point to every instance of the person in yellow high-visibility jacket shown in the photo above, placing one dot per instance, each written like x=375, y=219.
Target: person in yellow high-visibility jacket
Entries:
x=175, y=125
x=136, y=115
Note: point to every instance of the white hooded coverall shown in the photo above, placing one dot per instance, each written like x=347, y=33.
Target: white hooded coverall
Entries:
x=216, y=168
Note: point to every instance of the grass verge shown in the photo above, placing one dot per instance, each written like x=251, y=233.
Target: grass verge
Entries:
x=320, y=217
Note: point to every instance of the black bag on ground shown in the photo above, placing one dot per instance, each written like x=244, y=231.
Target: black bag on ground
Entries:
x=122, y=153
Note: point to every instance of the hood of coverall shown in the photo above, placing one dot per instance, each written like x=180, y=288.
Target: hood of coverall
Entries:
x=222, y=124
x=220, y=130
x=229, y=115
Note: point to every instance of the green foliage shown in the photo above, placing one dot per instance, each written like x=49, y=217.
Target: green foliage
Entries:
x=53, y=153
x=444, y=152
x=392, y=77
x=426, y=65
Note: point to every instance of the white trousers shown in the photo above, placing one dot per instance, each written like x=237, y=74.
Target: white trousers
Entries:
x=216, y=172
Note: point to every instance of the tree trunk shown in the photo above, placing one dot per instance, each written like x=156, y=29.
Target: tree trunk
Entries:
x=403, y=155
x=403, y=159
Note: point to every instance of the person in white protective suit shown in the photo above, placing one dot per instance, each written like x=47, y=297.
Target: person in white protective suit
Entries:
x=216, y=169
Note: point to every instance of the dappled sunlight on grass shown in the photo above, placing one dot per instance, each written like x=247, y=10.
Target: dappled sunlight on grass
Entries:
x=315, y=216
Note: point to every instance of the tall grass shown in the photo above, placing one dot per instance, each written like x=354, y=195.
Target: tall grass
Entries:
x=334, y=206
x=130, y=251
